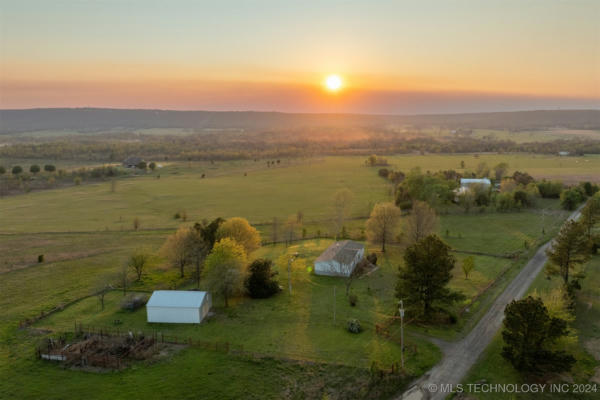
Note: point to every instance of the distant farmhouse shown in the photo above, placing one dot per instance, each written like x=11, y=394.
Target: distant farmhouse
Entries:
x=178, y=306
x=132, y=162
x=563, y=153
x=340, y=258
x=465, y=184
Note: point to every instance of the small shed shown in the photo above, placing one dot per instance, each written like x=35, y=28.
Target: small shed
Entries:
x=340, y=258
x=178, y=306
x=132, y=162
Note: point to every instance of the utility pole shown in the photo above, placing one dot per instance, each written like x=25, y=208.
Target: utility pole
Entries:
x=334, y=306
x=401, y=310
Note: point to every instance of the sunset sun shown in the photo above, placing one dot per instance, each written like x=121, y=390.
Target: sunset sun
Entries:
x=333, y=83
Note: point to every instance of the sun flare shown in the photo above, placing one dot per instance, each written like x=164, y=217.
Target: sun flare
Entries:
x=333, y=83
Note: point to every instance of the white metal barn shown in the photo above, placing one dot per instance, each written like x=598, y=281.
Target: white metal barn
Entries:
x=340, y=258
x=178, y=306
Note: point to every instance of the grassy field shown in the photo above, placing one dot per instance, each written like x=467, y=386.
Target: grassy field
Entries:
x=85, y=234
x=493, y=368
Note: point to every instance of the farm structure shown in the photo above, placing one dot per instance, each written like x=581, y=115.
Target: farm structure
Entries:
x=178, y=306
x=340, y=258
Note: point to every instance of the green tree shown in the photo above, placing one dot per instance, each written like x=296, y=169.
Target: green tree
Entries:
x=499, y=170
x=209, y=231
x=425, y=275
x=570, y=198
x=138, y=261
x=152, y=165
x=241, y=231
x=2, y=170
x=224, y=269
x=569, y=249
x=49, y=168
x=590, y=215
x=382, y=224
x=16, y=170
x=468, y=265
x=529, y=334
x=260, y=282
x=34, y=169
x=142, y=165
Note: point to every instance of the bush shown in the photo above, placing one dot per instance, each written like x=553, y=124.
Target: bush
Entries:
x=133, y=302
x=570, y=198
x=384, y=172
x=372, y=258
x=41, y=258
x=353, y=326
x=549, y=189
x=353, y=299
x=260, y=283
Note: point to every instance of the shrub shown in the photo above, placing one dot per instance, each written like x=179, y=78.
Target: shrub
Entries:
x=41, y=258
x=570, y=198
x=550, y=189
x=353, y=326
x=353, y=299
x=372, y=258
x=260, y=283
x=384, y=172
x=77, y=181
x=49, y=168
x=133, y=302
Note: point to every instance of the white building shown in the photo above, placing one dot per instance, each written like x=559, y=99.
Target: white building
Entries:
x=178, y=306
x=465, y=184
x=340, y=258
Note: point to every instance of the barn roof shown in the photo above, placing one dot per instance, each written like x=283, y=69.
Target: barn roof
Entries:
x=468, y=181
x=342, y=252
x=176, y=298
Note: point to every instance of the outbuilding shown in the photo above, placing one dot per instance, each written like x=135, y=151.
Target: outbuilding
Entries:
x=178, y=306
x=340, y=258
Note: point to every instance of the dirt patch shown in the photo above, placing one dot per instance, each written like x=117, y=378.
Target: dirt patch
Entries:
x=95, y=353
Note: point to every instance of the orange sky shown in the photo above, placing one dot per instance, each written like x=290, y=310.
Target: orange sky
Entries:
x=268, y=56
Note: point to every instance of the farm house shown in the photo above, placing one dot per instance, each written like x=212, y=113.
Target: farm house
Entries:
x=178, y=306
x=340, y=258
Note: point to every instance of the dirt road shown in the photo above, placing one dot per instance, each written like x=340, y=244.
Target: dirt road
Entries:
x=460, y=356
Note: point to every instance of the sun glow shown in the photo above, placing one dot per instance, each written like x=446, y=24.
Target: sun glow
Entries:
x=333, y=83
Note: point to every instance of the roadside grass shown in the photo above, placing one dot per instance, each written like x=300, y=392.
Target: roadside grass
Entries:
x=493, y=368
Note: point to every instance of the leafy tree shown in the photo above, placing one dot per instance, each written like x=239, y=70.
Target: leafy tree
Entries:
x=152, y=165
x=468, y=265
x=588, y=188
x=176, y=250
x=499, y=170
x=34, y=169
x=241, y=231
x=209, y=231
x=570, y=198
x=224, y=269
x=522, y=178
x=142, y=165
x=49, y=168
x=2, y=170
x=421, y=222
x=138, y=261
x=382, y=225
x=260, y=283
x=529, y=334
x=16, y=170
x=590, y=215
x=550, y=189
x=427, y=271
x=569, y=249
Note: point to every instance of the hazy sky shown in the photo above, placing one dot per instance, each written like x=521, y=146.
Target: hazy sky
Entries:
x=394, y=56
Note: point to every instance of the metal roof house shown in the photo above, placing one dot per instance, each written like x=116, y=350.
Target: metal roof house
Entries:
x=465, y=183
x=178, y=306
x=340, y=258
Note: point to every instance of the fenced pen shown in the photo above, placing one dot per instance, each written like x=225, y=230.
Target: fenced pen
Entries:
x=114, y=347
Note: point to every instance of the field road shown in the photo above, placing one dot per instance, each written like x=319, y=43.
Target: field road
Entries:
x=460, y=356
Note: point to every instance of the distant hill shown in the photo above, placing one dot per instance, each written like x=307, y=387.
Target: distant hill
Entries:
x=102, y=119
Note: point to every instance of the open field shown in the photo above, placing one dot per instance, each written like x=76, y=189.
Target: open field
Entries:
x=85, y=234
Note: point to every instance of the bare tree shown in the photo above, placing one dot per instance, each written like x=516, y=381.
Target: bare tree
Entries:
x=138, y=261
x=342, y=202
x=175, y=249
x=421, y=222
x=382, y=225
x=290, y=228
